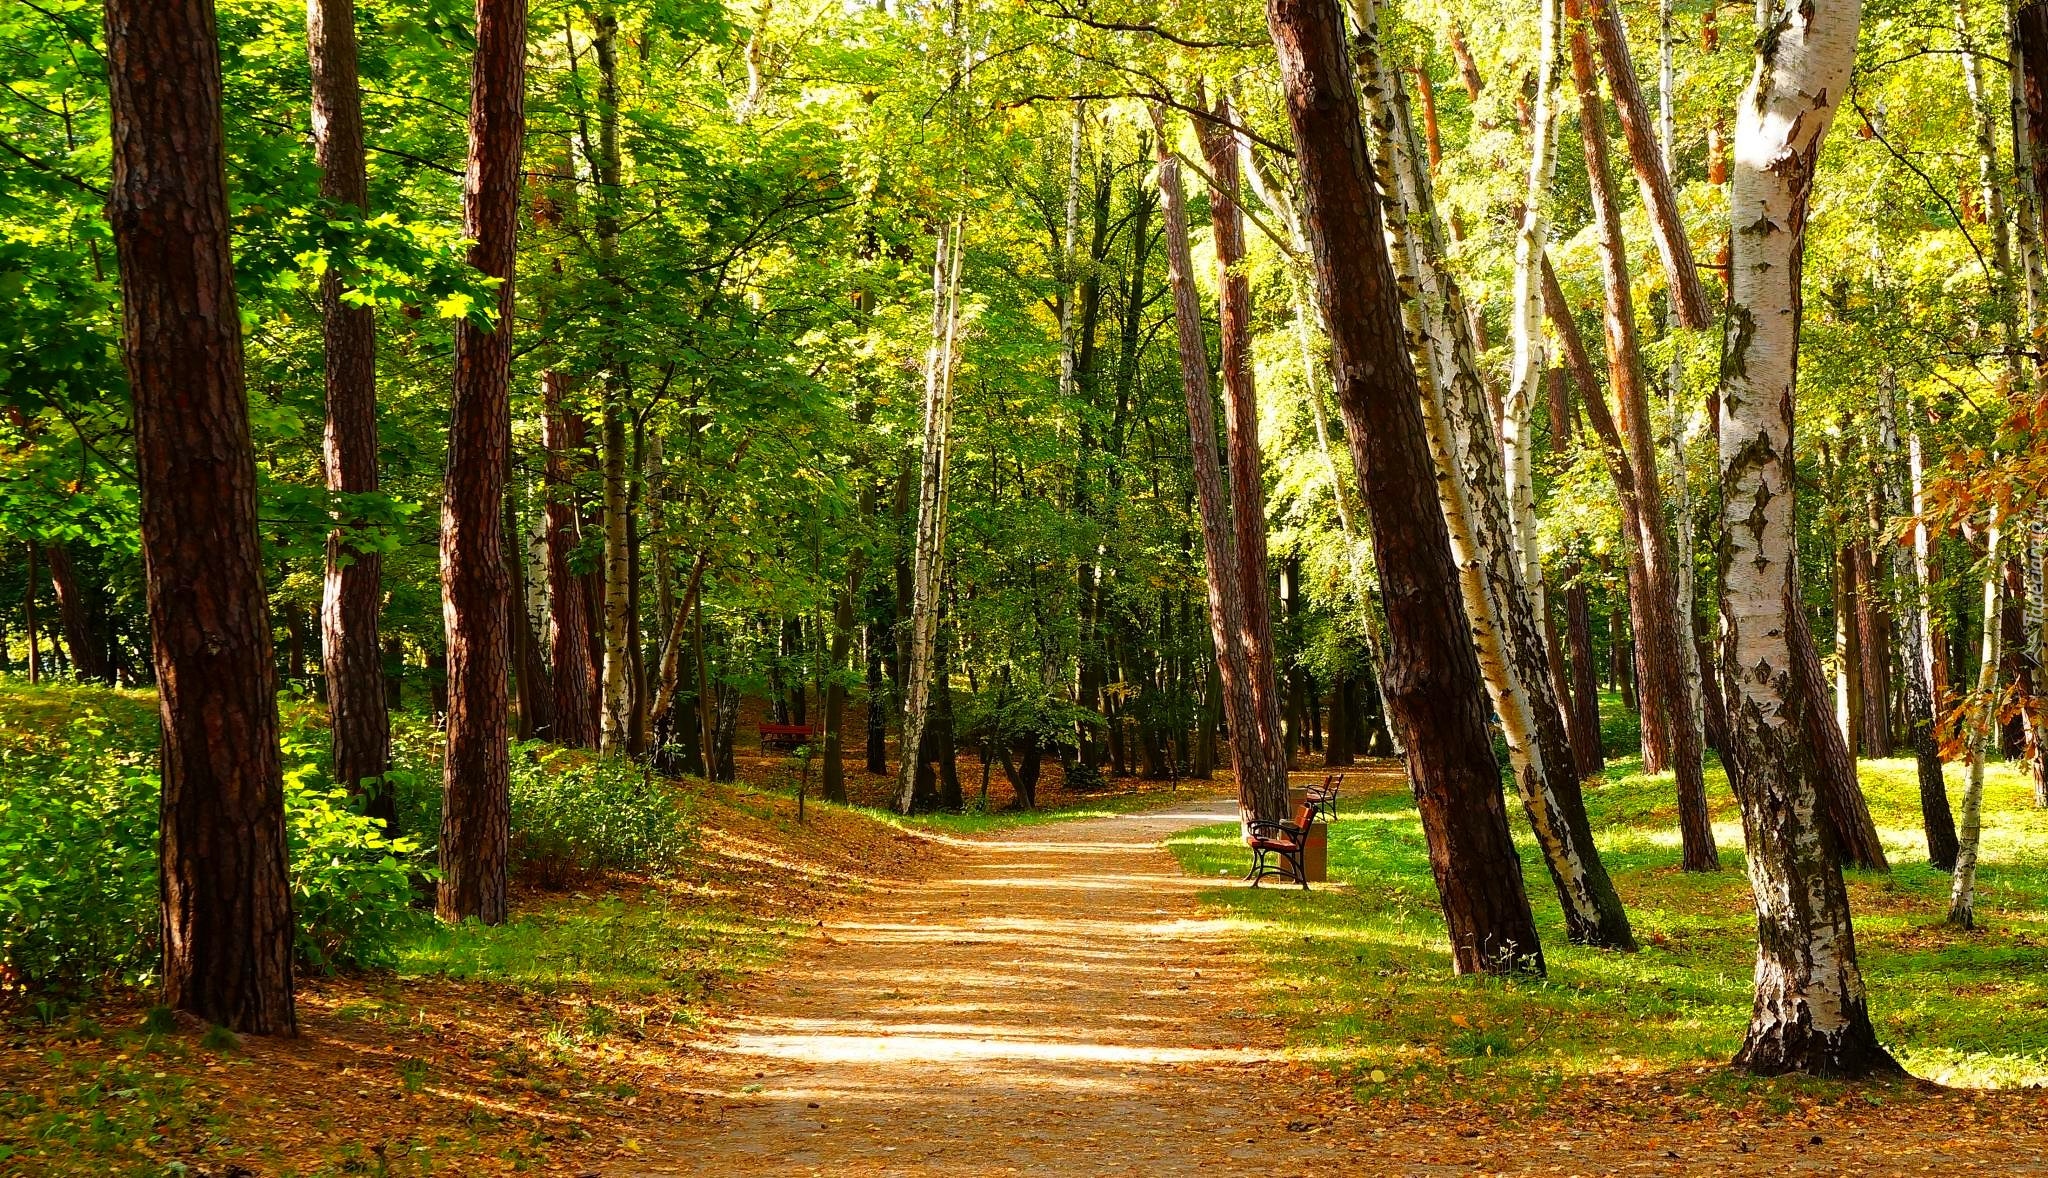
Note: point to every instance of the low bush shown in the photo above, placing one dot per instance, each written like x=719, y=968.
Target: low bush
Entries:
x=574, y=815
x=78, y=861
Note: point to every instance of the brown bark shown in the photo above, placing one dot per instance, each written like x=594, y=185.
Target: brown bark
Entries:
x=1656, y=623
x=574, y=681
x=1639, y=131
x=1219, y=549
x=225, y=893
x=475, y=601
x=1848, y=649
x=1842, y=803
x=1426, y=91
x=79, y=620
x=1432, y=684
x=353, y=588
x=1247, y=464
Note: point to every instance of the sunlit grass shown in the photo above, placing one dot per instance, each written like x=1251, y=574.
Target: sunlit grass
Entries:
x=1366, y=968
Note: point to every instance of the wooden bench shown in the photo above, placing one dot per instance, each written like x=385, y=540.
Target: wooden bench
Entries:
x=1324, y=797
x=1278, y=848
x=787, y=736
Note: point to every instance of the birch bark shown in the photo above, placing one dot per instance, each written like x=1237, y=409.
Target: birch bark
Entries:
x=1810, y=1012
x=1473, y=499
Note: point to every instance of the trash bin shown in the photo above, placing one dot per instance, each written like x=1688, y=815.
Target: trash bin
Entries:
x=1315, y=860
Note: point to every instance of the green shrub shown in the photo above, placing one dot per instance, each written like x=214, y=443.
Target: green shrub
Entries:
x=574, y=814
x=78, y=861
x=78, y=893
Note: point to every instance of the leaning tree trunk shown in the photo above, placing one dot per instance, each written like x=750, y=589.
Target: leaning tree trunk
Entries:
x=224, y=889
x=1432, y=688
x=1225, y=587
x=1936, y=819
x=1474, y=504
x=352, y=593
x=1268, y=790
x=1526, y=325
x=1810, y=1013
x=474, y=591
x=1657, y=624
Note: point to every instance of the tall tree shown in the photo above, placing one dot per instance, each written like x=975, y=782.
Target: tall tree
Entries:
x=1249, y=751
x=351, y=662
x=1810, y=1012
x=475, y=594
x=1432, y=685
x=569, y=654
x=1656, y=620
x=226, y=898
x=1246, y=463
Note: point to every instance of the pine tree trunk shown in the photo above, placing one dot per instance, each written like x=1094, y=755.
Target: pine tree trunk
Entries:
x=1810, y=1012
x=31, y=621
x=353, y=591
x=1432, y=687
x=1246, y=465
x=535, y=695
x=1655, y=618
x=224, y=888
x=575, y=703
x=78, y=618
x=1848, y=651
x=1227, y=626
x=1666, y=226
x=1873, y=645
x=474, y=594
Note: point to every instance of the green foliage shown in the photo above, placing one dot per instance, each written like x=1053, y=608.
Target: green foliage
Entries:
x=78, y=866
x=1362, y=973
x=574, y=814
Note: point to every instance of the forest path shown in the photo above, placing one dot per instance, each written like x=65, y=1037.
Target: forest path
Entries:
x=1053, y=1001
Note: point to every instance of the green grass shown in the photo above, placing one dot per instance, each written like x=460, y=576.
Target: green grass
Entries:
x=1107, y=804
x=1363, y=972
x=622, y=948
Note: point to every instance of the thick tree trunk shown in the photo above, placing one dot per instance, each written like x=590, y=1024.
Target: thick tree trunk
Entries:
x=475, y=601
x=78, y=617
x=224, y=888
x=1655, y=619
x=1227, y=626
x=1432, y=687
x=353, y=591
x=1936, y=820
x=1843, y=806
x=1246, y=465
x=1810, y=1012
x=575, y=703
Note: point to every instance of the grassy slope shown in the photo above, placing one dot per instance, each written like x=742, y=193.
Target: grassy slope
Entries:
x=1364, y=969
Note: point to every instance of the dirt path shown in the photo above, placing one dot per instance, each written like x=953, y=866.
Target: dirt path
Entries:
x=1053, y=1003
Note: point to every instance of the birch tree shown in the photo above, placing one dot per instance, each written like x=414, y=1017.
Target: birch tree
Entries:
x=1810, y=1012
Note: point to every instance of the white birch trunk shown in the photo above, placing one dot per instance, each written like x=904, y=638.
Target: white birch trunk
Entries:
x=1962, y=896
x=1810, y=1013
x=1526, y=327
x=1471, y=489
x=929, y=544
